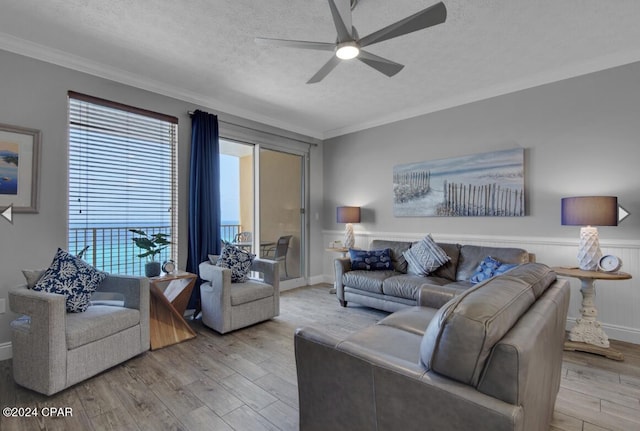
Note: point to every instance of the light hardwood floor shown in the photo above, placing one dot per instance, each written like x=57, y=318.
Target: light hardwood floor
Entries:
x=246, y=380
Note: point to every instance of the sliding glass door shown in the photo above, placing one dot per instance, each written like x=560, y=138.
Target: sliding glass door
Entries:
x=282, y=210
x=263, y=201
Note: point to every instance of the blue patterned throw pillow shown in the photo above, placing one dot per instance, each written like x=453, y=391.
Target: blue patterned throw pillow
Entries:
x=237, y=260
x=73, y=278
x=371, y=260
x=490, y=267
x=425, y=257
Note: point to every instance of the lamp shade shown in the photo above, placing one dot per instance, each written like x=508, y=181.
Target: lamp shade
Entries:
x=348, y=214
x=590, y=211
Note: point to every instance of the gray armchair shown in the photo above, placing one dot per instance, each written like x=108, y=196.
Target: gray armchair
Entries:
x=53, y=349
x=226, y=306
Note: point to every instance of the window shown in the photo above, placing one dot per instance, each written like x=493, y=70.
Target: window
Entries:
x=122, y=176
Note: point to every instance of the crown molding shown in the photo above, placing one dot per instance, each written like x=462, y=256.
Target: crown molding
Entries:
x=70, y=61
x=583, y=68
x=61, y=58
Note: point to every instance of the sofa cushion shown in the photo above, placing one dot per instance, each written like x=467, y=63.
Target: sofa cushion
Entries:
x=249, y=291
x=370, y=281
x=98, y=322
x=397, y=248
x=424, y=257
x=371, y=260
x=403, y=286
x=379, y=341
x=448, y=270
x=472, y=255
x=411, y=319
x=461, y=335
x=72, y=277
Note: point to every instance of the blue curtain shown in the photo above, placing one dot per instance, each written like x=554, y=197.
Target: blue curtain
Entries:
x=204, y=195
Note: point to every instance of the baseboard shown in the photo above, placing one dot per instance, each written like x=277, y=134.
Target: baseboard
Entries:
x=292, y=284
x=5, y=351
x=319, y=279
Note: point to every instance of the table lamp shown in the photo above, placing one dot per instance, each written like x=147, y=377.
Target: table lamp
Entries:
x=348, y=215
x=588, y=212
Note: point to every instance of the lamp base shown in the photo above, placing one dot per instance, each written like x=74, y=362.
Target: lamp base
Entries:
x=589, y=251
x=349, y=239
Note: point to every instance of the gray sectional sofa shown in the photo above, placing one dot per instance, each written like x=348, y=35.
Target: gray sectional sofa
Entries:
x=392, y=290
x=489, y=359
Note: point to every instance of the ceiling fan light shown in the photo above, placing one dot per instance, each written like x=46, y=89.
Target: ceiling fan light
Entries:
x=347, y=51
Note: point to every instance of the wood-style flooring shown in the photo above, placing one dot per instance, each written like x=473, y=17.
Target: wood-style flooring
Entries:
x=246, y=380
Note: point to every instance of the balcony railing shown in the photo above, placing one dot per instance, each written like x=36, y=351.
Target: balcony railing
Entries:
x=112, y=250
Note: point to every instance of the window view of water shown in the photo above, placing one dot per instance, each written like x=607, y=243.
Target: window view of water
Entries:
x=121, y=177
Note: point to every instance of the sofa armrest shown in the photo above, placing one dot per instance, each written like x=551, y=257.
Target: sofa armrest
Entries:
x=40, y=340
x=434, y=296
x=216, y=288
x=46, y=310
x=341, y=265
x=135, y=290
x=270, y=270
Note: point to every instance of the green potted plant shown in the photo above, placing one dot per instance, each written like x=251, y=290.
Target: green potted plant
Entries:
x=152, y=245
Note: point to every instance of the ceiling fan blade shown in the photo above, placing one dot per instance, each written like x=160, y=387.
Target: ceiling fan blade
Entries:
x=380, y=64
x=428, y=17
x=341, y=13
x=322, y=46
x=324, y=70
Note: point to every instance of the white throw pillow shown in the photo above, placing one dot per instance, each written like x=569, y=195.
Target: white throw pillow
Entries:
x=425, y=257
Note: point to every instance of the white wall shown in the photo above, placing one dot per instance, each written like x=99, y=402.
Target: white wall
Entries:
x=33, y=94
x=581, y=137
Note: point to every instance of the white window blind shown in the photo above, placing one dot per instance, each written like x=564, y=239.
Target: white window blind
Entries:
x=122, y=176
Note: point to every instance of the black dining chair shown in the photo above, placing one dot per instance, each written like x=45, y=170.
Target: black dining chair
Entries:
x=278, y=252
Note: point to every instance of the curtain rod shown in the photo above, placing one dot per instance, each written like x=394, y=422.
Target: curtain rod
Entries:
x=261, y=131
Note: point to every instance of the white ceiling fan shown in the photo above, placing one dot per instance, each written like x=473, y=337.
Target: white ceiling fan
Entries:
x=349, y=45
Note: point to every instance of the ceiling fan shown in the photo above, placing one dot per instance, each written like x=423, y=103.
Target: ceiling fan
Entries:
x=349, y=45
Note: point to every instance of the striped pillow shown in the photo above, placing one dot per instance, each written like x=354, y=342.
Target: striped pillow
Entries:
x=425, y=257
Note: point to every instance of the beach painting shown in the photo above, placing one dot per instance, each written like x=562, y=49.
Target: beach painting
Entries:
x=9, y=155
x=485, y=184
x=19, y=166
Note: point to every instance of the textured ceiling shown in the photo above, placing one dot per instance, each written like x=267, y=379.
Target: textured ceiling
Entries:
x=203, y=51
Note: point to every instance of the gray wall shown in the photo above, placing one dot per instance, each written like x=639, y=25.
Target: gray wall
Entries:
x=33, y=94
x=581, y=137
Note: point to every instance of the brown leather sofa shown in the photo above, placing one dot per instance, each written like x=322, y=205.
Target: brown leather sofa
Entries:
x=394, y=290
x=489, y=359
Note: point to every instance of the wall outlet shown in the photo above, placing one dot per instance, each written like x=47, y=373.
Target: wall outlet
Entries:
x=2, y=309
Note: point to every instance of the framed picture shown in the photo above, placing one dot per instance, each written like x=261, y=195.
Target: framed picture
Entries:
x=486, y=184
x=19, y=167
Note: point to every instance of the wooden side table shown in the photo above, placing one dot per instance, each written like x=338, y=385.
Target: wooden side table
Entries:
x=169, y=298
x=587, y=335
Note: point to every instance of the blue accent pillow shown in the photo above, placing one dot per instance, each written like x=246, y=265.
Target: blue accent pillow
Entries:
x=237, y=260
x=371, y=260
x=72, y=277
x=490, y=267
